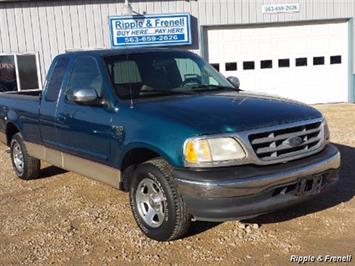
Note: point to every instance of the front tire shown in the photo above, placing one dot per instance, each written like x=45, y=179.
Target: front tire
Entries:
x=25, y=166
x=157, y=206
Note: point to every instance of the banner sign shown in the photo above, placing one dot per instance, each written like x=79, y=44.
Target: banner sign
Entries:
x=281, y=8
x=150, y=30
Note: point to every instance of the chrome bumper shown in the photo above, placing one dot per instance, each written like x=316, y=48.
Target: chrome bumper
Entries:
x=243, y=181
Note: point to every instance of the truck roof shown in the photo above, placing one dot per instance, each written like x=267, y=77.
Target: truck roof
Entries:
x=118, y=51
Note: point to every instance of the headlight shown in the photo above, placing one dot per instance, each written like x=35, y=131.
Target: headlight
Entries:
x=199, y=152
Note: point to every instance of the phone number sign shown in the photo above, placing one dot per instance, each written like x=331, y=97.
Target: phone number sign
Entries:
x=281, y=8
x=152, y=30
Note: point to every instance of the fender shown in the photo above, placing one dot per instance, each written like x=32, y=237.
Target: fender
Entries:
x=12, y=117
x=11, y=121
x=124, y=150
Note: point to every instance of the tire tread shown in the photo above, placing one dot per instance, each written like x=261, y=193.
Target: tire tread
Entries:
x=183, y=219
x=32, y=165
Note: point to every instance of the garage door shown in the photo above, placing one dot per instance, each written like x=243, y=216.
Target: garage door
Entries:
x=308, y=63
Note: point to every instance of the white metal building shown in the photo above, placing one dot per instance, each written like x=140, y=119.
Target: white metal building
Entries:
x=299, y=49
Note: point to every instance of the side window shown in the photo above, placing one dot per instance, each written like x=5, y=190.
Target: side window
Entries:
x=55, y=80
x=86, y=75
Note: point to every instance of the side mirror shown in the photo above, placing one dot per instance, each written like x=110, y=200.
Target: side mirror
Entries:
x=83, y=96
x=234, y=81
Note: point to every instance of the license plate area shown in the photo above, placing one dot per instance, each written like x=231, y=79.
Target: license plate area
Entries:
x=309, y=185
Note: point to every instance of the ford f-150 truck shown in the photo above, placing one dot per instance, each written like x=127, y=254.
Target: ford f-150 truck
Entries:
x=165, y=126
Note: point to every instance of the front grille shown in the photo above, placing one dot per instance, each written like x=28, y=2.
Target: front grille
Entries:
x=280, y=144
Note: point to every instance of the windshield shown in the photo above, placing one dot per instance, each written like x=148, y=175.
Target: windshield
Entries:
x=152, y=74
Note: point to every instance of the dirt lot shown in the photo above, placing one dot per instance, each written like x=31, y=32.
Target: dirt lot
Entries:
x=64, y=218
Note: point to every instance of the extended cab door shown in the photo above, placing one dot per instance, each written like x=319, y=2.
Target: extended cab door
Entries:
x=84, y=130
x=48, y=109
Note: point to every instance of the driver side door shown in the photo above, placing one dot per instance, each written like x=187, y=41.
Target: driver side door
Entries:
x=85, y=130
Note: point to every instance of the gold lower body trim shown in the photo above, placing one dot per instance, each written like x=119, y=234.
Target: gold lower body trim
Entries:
x=94, y=170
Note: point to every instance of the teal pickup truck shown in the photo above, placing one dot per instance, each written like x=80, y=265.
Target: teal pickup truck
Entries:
x=165, y=126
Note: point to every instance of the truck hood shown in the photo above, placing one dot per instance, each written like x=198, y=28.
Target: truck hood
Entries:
x=227, y=112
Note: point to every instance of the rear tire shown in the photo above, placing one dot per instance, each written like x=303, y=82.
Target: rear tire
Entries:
x=25, y=166
x=157, y=206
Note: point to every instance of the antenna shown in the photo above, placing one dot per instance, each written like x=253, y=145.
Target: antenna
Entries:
x=130, y=88
x=128, y=11
x=130, y=95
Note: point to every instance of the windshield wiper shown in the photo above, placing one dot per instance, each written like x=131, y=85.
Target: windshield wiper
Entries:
x=204, y=87
x=192, y=90
x=165, y=92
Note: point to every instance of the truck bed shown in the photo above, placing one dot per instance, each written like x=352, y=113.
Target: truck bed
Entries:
x=35, y=93
x=22, y=107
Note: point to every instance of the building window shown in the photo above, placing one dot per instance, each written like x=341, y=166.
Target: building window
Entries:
x=231, y=66
x=19, y=72
x=216, y=66
x=302, y=61
x=336, y=59
x=319, y=60
x=8, y=80
x=247, y=65
x=266, y=64
x=284, y=62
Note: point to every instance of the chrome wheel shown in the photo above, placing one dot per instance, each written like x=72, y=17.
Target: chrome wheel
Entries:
x=151, y=202
x=17, y=157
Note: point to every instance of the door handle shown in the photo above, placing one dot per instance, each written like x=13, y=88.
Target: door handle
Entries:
x=61, y=118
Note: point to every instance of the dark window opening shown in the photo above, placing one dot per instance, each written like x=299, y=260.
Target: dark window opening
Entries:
x=284, y=62
x=216, y=66
x=247, y=65
x=302, y=61
x=319, y=60
x=266, y=64
x=336, y=59
x=231, y=66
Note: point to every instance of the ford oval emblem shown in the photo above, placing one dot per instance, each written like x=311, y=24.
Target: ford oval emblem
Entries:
x=295, y=141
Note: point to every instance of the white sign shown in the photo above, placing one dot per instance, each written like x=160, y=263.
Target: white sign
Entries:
x=153, y=30
x=281, y=8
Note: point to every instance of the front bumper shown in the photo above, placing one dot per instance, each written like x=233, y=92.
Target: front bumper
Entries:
x=241, y=192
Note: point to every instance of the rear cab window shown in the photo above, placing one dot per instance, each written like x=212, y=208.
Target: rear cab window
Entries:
x=55, y=79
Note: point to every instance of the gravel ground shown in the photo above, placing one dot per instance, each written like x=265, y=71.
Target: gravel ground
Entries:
x=64, y=218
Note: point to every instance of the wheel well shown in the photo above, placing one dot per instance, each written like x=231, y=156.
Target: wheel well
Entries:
x=132, y=159
x=11, y=130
